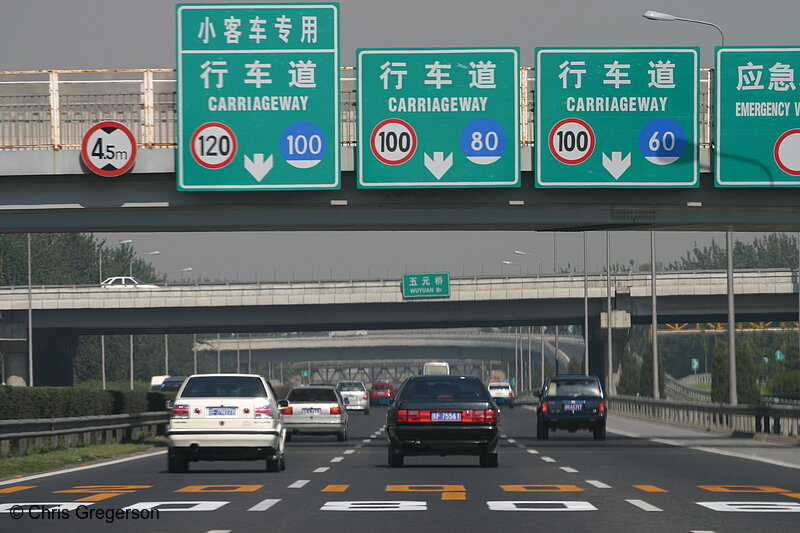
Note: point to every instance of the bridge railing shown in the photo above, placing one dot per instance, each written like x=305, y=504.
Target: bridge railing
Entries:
x=772, y=419
x=53, y=109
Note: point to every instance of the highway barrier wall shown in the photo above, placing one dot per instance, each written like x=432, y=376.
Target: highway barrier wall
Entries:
x=781, y=420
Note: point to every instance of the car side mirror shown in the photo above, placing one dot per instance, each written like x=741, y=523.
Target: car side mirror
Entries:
x=283, y=403
x=169, y=404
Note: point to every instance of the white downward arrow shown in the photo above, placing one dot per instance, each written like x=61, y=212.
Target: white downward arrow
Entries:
x=617, y=165
x=257, y=166
x=439, y=164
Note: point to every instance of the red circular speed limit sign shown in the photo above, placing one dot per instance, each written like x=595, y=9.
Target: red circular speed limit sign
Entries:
x=213, y=145
x=571, y=141
x=787, y=152
x=108, y=149
x=393, y=141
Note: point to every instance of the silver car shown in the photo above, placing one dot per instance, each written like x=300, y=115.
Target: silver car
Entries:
x=314, y=410
x=355, y=392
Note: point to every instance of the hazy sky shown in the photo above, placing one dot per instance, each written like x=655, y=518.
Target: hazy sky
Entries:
x=62, y=34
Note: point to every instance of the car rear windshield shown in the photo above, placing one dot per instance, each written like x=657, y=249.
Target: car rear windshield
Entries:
x=224, y=387
x=350, y=386
x=381, y=386
x=312, y=395
x=573, y=387
x=445, y=390
x=499, y=387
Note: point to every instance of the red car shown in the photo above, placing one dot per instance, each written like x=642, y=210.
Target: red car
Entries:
x=381, y=393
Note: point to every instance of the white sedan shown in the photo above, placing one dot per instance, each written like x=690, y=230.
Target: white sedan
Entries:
x=126, y=282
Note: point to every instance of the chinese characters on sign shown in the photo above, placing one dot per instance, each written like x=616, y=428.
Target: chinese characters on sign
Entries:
x=438, y=118
x=617, y=117
x=758, y=117
x=433, y=285
x=258, y=97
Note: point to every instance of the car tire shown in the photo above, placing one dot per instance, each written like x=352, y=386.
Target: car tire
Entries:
x=489, y=460
x=395, y=459
x=542, y=431
x=341, y=436
x=176, y=463
x=273, y=464
x=600, y=432
x=366, y=411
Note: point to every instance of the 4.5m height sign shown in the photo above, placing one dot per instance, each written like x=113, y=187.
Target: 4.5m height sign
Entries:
x=623, y=117
x=438, y=118
x=258, y=96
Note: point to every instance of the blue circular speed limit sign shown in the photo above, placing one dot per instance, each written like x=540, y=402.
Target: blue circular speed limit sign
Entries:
x=303, y=144
x=483, y=141
x=662, y=141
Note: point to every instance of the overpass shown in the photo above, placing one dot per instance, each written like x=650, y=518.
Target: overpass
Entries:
x=66, y=312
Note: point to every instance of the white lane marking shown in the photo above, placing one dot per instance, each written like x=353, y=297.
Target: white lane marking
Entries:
x=518, y=445
x=365, y=441
x=666, y=441
x=219, y=531
x=348, y=452
x=643, y=505
x=624, y=433
x=375, y=506
x=745, y=456
x=547, y=459
x=320, y=470
x=299, y=484
x=264, y=505
x=337, y=459
x=568, y=469
x=701, y=531
x=512, y=441
x=79, y=468
x=532, y=451
x=503, y=436
x=597, y=484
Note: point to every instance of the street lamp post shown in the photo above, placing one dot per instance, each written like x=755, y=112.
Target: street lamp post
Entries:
x=732, y=397
x=103, y=337
x=130, y=273
x=510, y=263
x=181, y=271
x=528, y=254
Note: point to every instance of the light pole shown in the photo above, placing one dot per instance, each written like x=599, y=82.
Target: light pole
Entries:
x=181, y=271
x=130, y=273
x=103, y=337
x=166, y=335
x=528, y=254
x=510, y=263
x=732, y=396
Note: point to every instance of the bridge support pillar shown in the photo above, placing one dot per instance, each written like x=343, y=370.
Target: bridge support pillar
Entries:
x=15, y=367
x=53, y=351
x=14, y=346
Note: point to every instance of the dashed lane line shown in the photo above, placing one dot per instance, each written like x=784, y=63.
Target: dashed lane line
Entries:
x=643, y=505
x=547, y=459
x=366, y=441
x=263, y=505
x=299, y=484
x=349, y=452
x=532, y=451
x=512, y=441
x=219, y=531
x=321, y=470
x=598, y=484
x=337, y=459
x=568, y=469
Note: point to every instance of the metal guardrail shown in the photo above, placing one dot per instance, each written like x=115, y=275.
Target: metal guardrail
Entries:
x=767, y=419
x=685, y=392
x=18, y=436
x=54, y=108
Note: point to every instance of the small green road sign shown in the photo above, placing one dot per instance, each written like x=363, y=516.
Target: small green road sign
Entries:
x=438, y=118
x=258, y=97
x=305, y=373
x=617, y=117
x=427, y=285
x=757, y=117
x=779, y=355
x=695, y=364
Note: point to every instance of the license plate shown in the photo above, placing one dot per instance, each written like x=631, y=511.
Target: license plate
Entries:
x=573, y=407
x=311, y=410
x=446, y=417
x=221, y=411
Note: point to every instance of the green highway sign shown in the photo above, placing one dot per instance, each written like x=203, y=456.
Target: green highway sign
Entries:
x=426, y=285
x=617, y=117
x=438, y=118
x=258, y=97
x=757, y=117
x=695, y=364
x=305, y=373
x=779, y=355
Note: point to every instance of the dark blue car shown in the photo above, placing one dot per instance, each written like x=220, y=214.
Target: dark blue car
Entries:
x=571, y=402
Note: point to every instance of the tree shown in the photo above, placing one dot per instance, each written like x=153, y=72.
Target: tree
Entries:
x=747, y=391
x=630, y=378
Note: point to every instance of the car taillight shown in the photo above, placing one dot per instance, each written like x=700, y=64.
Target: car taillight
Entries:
x=413, y=415
x=545, y=408
x=287, y=410
x=336, y=410
x=365, y=397
x=479, y=415
x=262, y=411
x=601, y=407
x=180, y=411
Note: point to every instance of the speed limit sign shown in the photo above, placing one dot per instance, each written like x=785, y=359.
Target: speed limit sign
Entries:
x=393, y=141
x=213, y=145
x=571, y=141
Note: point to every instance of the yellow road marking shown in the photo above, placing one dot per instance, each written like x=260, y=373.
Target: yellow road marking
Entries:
x=541, y=488
x=336, y=488
x=449, y=492
x=101, y=492
x=650, y=488
x=18, y=488
x=741, y=488
x=792, y=494
x=220, y=488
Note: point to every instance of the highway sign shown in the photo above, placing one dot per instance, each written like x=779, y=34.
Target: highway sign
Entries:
x=779, y=355
x=426, y=285
x=258, y=97
x=438, y=118
x=617, y=117
x=108, y=149
x=695, y=364
x=757, y=117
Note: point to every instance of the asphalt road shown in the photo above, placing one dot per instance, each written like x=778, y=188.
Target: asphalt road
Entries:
x=568, y=483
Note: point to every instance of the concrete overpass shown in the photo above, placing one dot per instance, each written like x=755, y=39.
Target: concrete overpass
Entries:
x=63, y=313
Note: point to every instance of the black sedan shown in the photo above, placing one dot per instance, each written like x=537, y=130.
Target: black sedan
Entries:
x=443, y=415
x=571, y=403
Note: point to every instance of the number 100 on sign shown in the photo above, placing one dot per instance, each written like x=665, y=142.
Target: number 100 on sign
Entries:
x=572, y=141
x=393, y=141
